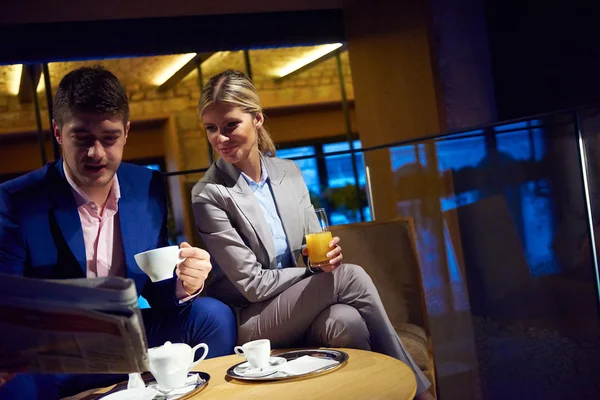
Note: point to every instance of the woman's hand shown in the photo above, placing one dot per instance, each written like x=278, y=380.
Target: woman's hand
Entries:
x=335, y=255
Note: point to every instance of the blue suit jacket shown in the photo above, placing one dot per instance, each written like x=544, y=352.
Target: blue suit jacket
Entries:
x=41, y=234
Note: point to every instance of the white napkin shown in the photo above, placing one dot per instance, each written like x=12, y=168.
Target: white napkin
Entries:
x=305, y=365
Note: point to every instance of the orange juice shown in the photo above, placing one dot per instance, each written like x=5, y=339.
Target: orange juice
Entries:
x=318, y=247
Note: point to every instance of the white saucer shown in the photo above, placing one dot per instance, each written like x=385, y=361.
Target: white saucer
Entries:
x=244, y=369
x=146, y=393
x=196, y=382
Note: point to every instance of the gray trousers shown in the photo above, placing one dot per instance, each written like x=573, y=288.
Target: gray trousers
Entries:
x=338, y=309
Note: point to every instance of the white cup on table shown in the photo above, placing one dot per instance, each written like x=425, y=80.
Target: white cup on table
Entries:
x=257, y=352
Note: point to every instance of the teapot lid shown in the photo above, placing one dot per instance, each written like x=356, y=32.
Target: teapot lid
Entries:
x=169, y=350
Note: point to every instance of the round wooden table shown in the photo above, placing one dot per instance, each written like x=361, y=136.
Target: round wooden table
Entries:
x=366, y=375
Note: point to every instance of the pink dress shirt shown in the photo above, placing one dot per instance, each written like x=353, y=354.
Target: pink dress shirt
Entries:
x=102, y=236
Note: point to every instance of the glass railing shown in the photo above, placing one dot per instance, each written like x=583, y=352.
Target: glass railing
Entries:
x=505, y=219
x=506, y=228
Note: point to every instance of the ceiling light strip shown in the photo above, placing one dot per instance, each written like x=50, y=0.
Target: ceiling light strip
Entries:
x=14, y=81
x=307, y=58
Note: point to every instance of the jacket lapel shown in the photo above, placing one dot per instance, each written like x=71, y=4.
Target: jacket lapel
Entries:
x=245, y=200
x=67, y=216
x=284, y=192
x=128, y=219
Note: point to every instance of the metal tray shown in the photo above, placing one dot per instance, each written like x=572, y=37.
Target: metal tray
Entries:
x=149, y=380
x=336, y=355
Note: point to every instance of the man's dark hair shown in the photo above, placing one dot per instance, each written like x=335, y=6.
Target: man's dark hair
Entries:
x=90, y=90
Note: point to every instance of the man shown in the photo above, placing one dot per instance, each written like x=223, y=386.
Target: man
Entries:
x=88, y=214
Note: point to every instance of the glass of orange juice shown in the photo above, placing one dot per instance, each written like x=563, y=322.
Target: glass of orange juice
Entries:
x=318, y=238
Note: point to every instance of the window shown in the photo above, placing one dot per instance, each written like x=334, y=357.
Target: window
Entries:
x=331, y=179
x=531, y=205
x=155, y=167
x=308, y=166
x=342, y=183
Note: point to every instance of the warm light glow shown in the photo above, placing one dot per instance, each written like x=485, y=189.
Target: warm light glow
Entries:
x=218, y=56
x=178, y=62
x=307, y=58
x=183, y=59
x=41, y=84
x=14, y=78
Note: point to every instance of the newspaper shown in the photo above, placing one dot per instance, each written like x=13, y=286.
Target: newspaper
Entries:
x=71, y=326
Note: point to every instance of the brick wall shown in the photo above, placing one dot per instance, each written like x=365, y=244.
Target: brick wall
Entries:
x=316, y=85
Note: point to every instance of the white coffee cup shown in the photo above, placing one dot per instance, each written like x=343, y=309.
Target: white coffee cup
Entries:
x=159, y=263
x=256, y=352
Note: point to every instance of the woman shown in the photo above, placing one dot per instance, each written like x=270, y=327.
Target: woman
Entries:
x=251, y=210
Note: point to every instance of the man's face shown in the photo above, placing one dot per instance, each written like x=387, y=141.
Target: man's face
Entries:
x=92, y=147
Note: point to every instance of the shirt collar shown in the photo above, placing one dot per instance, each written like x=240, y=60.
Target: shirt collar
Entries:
x=82, y=199
x=263, y=177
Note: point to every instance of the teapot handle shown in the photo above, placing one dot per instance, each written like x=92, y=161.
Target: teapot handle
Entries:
x=205, y=347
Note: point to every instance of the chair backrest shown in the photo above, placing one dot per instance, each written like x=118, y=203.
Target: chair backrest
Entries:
x=387, y=252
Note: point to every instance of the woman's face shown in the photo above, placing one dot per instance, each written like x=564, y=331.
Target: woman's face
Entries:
x=232, y=132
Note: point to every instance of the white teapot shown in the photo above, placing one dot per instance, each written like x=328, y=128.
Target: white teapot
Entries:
x=171, y=363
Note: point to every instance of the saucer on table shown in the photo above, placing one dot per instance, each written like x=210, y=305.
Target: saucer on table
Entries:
x=197, y=381
x=244, y=369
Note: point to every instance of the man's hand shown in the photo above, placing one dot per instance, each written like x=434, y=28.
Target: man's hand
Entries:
x=5, y=377
x=194, y=270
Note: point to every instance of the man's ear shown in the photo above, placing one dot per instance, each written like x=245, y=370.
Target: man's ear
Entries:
x=57, y=132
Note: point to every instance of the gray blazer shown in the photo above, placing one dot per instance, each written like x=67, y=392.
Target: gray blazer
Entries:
x=237, y=235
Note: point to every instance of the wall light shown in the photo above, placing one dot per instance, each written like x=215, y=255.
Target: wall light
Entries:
x=179, y=61
x=182, y=68
x=41, y=84
x=307, y=58
x=215, y=58
x=14, y=78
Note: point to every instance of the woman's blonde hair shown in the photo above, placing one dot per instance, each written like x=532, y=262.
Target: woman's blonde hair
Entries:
x=235, y=88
